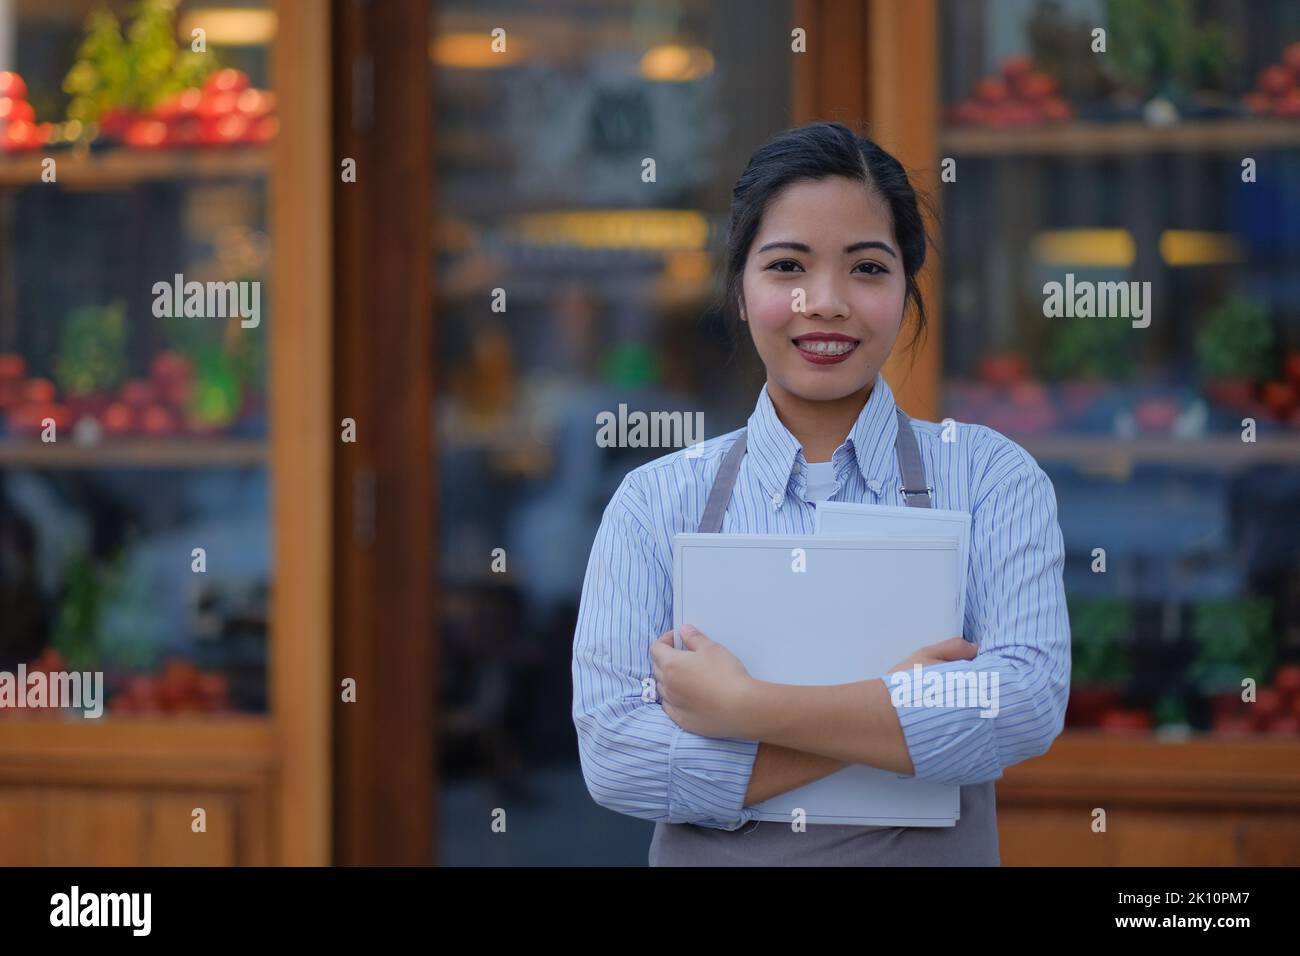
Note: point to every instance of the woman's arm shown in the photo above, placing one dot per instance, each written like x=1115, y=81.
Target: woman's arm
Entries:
x=1016, y=687
x=635, y=759
x=780, y=769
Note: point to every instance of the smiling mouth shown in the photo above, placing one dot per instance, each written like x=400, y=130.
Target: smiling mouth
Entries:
x=825, y=347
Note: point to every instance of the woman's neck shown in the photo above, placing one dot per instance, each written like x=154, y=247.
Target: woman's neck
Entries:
x=819, y=426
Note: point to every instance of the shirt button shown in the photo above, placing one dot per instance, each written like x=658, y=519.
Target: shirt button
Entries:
x=874, y=485
x=776, y=501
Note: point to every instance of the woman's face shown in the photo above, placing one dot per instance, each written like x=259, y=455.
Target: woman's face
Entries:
x=832, y=241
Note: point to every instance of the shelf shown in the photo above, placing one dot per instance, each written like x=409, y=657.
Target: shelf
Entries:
x=136, y=453
x=1097, y=139
x=1217, y=451
x=125, y=167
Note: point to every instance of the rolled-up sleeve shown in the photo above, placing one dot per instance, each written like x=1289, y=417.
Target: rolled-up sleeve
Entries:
x=1016, y=614
x=635, y=759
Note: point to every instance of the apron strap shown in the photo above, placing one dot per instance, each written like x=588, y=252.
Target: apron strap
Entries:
x=916, y=493
x=720, y=493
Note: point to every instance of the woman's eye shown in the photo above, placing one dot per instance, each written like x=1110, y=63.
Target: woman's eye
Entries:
x=874, y=267
x=784, y=262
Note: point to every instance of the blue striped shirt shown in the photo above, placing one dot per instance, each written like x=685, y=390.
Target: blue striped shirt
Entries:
x=637, y=761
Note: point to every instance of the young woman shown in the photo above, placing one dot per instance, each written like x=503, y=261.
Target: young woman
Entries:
x=825, y=243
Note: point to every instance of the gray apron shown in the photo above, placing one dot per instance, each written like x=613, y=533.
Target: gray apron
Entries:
x=973, y=841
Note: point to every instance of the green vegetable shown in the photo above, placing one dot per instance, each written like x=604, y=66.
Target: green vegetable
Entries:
x=92, y=352
x=1099, y=631
x=1235, y=641
x=1236, y=341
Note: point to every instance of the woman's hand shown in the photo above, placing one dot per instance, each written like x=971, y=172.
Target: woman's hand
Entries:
x=703, y=687
x=953, y=649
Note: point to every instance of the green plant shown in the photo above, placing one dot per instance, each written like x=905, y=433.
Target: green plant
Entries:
x=1099, y=630
x=92, y=350
x=135, y=72
x=76, y=626
x=1235, y=641
x=1155, y=47
x=1236, y=341
x=1087, y=348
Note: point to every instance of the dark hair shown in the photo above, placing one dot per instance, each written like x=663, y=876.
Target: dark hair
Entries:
x=815, y=152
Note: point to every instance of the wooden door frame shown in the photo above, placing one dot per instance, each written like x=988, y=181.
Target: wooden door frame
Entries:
x=860, y=56
x=385, y=502
x=301, y=358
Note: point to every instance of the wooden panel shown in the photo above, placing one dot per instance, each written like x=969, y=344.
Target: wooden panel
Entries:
x=303, y=432
x=171, y=840
x=1269, y=841
x=136, y=780
x=386, y=500
x=1049, y=838
x=1153, y=839
x=903, y=109
x=21, y=828
x=90, y=829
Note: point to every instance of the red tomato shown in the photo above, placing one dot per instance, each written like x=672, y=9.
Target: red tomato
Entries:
x=1002, y=368
x=255, y=103
x=1268, y=704
x=1287, y=105
x=991, y=90
x=1275, y=80
x=1018, y=65
x=169, y=366
x=12, y=367
x=11, y=109
x=1125, y=721
x=116, y=122
x=158, y=421
x=1258, y=103
x=226, y=81
x=1013, y=114
x=1287, y=678
x=117, y=420
x=1035, y=87
x=263, y=130
x=1056, y=110
x=146, y=134
x=12, y=85
x=178, y=105
x=19, y=135
x=225, y=130
x=1231, y=726
x=137, y=392
x=39, y=390
x=216, y=105
x=186, y=131
x=1280, y=397
x=56, y=412
x=1292, y=366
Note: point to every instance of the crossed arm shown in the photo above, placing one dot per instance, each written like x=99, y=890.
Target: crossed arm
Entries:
x=713, y=742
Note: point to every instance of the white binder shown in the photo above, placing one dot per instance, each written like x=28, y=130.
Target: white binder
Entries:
x=858, y=606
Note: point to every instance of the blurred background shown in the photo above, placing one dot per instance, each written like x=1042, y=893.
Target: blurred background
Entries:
x=382, y=168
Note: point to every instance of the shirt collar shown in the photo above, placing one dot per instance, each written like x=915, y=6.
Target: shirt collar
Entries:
x=775, y=452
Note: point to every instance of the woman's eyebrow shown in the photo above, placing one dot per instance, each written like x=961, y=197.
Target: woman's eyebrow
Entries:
x=855, y=247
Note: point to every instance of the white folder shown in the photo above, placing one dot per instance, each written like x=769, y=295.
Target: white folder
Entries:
x=858, y=606
x=886, y=521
